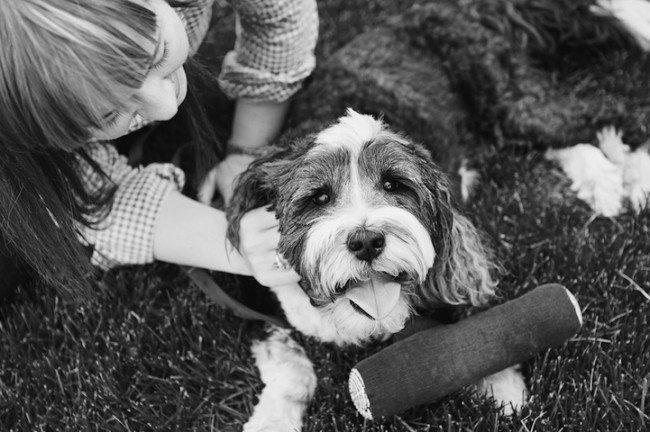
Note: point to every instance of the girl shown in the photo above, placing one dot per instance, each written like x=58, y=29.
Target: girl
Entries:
x=76, y=75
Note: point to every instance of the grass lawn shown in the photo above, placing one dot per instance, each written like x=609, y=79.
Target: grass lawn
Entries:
x=151, y=353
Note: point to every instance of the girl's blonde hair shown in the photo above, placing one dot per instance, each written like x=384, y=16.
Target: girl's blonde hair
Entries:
x=63, y=64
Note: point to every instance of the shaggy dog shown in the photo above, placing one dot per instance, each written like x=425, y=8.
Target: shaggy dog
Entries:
x=366, y=219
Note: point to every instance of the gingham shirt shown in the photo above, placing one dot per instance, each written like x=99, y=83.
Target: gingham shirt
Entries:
x=273, y=54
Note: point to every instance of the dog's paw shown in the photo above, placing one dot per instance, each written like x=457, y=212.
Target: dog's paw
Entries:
x=595, y=179
x=284, y=365
x=610, y=142
x=290, y=383
x=469, y=180
x=636, y=179
x=507, y=388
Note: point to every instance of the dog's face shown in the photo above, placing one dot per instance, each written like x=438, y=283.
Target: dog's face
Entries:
x=365, y=218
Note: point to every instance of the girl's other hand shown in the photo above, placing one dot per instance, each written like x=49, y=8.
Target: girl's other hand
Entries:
x=222, y=178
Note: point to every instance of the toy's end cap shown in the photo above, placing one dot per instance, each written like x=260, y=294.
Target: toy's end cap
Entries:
x=553, y=290
x=575, y=304
x=358, y=394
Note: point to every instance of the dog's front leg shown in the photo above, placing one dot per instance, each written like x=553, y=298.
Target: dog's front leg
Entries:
x=289, y=384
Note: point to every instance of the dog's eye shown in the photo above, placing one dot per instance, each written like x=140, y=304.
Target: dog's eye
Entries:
x=321, y=198
x=390, y=185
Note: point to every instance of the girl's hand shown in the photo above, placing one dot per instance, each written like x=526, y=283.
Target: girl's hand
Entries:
x=259, y=239
x=222, y=178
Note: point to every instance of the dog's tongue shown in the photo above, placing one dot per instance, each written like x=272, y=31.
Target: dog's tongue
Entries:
x=376, y=296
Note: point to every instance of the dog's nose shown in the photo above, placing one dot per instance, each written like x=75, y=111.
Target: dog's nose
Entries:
x=365, y=244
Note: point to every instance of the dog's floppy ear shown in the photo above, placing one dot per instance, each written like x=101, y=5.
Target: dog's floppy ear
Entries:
x=464, y=267
x=259, y=185
x=463, y=272
x=255, y=187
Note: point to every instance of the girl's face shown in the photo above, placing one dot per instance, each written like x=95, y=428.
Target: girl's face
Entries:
x=165, y=85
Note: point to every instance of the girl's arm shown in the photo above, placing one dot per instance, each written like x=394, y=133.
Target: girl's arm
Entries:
x=193, y=234
x=274, y=50
x=256, y=124
x=273, y=54
x=150, y=219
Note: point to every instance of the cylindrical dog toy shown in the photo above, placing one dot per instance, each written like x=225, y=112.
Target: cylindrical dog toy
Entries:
x=436, y=362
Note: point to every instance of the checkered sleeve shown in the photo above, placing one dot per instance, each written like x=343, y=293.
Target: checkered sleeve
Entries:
x=126, y=235
x=195, y=15
x=274, y=50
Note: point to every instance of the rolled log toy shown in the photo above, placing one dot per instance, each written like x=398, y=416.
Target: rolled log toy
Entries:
x=433, y=363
